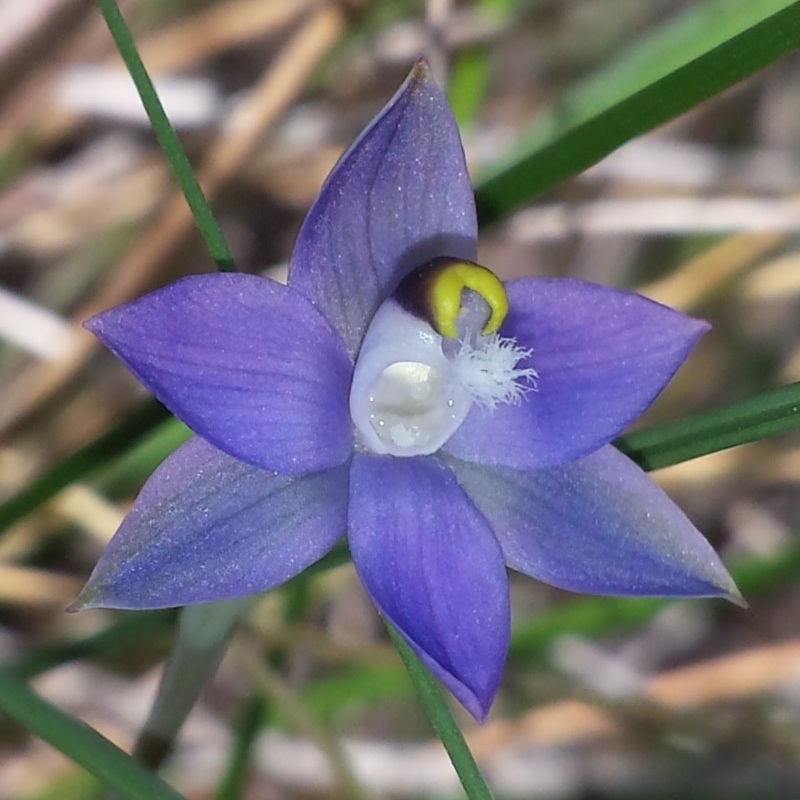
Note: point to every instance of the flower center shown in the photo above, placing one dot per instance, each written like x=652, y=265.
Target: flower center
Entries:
x=405, y=399
x=408, y=404
x=430, y=352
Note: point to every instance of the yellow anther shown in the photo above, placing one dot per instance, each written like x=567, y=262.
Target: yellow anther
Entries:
x=444, y=296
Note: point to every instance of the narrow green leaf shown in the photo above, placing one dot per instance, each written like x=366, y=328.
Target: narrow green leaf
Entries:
x=767, y=414
x=79, y=742
x=167, y=138
x=593, y=121
x=125, y=474
x=690, y=34
x=204, y=632
x=432, y=698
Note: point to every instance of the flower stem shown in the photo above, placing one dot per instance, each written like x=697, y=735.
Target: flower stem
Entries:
x=441, y=718
x=167, y=138
x=204, y=632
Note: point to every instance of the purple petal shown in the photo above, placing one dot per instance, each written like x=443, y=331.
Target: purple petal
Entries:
x=247, y=363
x=602, y=357
x=207, y=527
x=398, y=197
x=434, y=569
x=598, y=525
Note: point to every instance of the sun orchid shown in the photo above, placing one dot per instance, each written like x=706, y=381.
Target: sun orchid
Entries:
x=396, y=391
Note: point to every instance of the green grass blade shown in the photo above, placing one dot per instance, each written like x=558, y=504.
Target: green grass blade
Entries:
x=124, y=475
x=692, y=33
x=167, y=138
x=79, y=742
x=432, y=698
x=767, y=414
x=595, y=120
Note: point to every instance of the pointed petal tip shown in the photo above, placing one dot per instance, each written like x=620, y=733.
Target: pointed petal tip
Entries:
x=93, y=597
x=715, y=584
x=724, y=589
x=479, y=710
x=733, y=595
x=701, y=327
x=92, y=324
x=102, y=325
x=476, y=700
x=475, y=693
x=738, y=600
x=421, y=70
x=83, y=602
x=723, y=586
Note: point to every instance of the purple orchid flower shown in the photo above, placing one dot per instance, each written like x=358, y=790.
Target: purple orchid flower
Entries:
x=397, y=391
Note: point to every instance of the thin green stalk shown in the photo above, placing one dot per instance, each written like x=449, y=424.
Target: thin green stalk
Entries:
x=167, y=138
x=441, y=718
x=559, y=149
x=84, y=745
x=204, y=632
x=767, y=414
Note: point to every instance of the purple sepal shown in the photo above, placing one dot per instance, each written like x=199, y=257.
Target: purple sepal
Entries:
x=598, y=525
x=247, y=363
x=399, y=196
x=207, y=527
x=434, y=569
x=602, y=357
